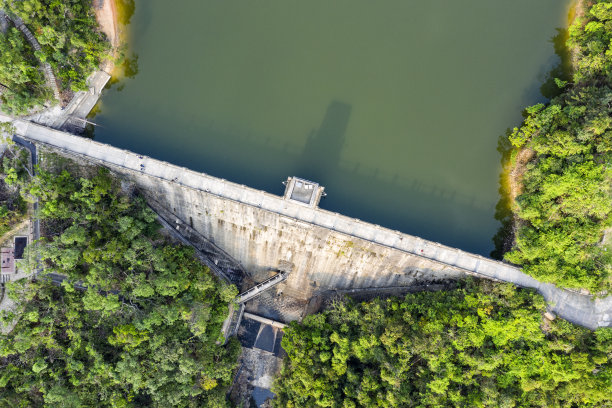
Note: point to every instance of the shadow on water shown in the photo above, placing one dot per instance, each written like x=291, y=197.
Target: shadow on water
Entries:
x=126, y=62
x=321, y=155
x=125, y=10
x=503, y=240
x=397, y=201
x=504, y=237
x=563, y=70
x=126, y=68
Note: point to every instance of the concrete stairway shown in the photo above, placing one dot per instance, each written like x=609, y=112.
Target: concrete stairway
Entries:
x=262, y=287
x=46, y=67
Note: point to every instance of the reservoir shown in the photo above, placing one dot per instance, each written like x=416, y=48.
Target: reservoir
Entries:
x=396, y=107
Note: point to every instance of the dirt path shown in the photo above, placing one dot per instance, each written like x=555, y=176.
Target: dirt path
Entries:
x=16, y=228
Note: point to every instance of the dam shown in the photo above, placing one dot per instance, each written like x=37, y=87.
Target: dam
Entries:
x=321, y=250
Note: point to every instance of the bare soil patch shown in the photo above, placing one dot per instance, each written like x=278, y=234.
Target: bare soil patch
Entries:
x=106, y=15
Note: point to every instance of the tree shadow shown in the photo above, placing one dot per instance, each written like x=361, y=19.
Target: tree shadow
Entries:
x=125, y=68
x=503, y=240
x=126, y=62
x=563, y=70
x=125, y=10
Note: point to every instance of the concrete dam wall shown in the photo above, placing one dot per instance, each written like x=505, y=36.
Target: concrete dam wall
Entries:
x=321, y=250
x=265, y=232
x=318, y=257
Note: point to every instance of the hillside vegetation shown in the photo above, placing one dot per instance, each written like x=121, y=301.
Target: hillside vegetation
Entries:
x=13, y=209
x=566, y=201
x=136, y=323
x=482, y=345
x=71, y=43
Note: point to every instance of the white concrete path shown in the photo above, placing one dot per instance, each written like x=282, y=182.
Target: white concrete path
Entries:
x=577, y=308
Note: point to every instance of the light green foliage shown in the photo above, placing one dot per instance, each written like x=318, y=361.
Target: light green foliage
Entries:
x=12, y=207
x=566, y=202
x=142, y=333
x=14, y=48
x=591, y=36
x=479, y=346
x=71, y=42
x=20, y=74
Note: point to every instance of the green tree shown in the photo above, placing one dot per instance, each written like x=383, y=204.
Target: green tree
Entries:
x=565, y=206
x=136, y=322
x=482, y=345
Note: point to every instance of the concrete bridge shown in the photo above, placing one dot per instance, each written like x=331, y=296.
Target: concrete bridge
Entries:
x=323, y=251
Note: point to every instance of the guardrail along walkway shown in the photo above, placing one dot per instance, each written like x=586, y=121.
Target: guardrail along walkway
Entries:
x=261, y=287
x=574, y=307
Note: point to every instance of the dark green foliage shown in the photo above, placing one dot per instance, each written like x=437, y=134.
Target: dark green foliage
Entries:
x=71, y=42
x=482, y=345
x=566, y=202
x=11, y=213
x=143, y=332
x=12, y=206
x=19, y=72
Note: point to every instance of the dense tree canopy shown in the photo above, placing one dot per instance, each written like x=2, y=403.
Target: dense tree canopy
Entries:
x=483, y=345
x=20, y=73
x=12, y=207
x=71, y=43
x=137, y=322
x=566, y=201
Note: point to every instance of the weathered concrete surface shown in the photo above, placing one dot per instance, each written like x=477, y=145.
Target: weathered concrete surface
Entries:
x=220, y=262
x=264, y=320
x=73, y=116
x=323, y=250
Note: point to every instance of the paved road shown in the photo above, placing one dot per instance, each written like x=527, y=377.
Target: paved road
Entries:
x=32, y=148
x=574, y=307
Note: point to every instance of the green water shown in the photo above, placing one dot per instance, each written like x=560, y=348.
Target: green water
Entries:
x=394, y=106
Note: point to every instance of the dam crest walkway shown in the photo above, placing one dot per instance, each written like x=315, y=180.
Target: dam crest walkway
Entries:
x=577, y=308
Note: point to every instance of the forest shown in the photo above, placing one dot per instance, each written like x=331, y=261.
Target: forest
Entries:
x=13, y=208
x=71, y=43
x=565, y=204
x=481, y=345
x=120, y=317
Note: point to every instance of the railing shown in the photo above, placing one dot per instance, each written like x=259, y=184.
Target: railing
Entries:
x=262, y=287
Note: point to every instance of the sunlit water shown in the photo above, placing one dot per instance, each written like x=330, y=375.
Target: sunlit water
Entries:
x=394, y=106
